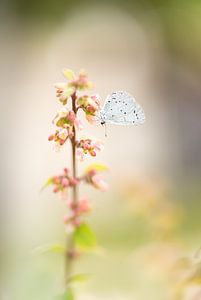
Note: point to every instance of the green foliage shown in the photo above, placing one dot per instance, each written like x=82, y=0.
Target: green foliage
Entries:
x=53, y=248
x=47, y=183
x=97, y=167
x=67, y=295
x=61, y=122
x=79, y=278
x=84, y=237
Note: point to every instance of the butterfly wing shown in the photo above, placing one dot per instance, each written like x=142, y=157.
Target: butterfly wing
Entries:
x=120, y=108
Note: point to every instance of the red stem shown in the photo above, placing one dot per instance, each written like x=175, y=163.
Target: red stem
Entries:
x=70, y=248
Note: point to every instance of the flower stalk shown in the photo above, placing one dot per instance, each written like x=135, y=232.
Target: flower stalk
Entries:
x=80, y=237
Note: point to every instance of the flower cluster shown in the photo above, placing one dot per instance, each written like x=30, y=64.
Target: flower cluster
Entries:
x=64, y=90
x=65, y=120
x=90, y=105
x=62, y=182
x=93, y=177
x=87, y=146
x=80, y=82
x=76, y=211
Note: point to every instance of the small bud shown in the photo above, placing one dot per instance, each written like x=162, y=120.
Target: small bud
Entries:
x=65, y=182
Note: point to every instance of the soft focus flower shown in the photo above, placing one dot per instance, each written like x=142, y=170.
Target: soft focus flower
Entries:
x=82, y=206
x=87, y=146
x=63, y=92
x=94, y=178
x=99, y=183
x=62, y=182
x=65, y=120
x=63, y=134
x=73, y=218
x=81, y=82
x=60, y=137
x=90, y=105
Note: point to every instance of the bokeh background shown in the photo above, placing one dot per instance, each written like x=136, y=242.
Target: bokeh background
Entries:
x=148, y=223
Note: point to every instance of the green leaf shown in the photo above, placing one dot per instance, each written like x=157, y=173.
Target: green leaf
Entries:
x=61, y=122
x=54, y=248
x=69, y=74
x=79, y=278
x=67, y=295
x=47, y=183
x=97, y=167
x=84, y=237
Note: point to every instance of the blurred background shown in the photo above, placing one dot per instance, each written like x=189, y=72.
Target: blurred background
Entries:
x=148, y=223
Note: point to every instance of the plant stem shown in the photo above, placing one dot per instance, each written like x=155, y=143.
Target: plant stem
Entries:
x=70, y=242
x=73, y=142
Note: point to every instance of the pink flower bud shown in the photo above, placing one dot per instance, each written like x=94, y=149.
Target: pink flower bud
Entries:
x=75, y=222
x=65, y=182
x=51, y=137
x=66, y=171
x=99, y=183
x=56, y=189
x=66, y=219
x=74, y=181
x=56, y=180
x=83, y=206
x=63, y=134
x=93, y=153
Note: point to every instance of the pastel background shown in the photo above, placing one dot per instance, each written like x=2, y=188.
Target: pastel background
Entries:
x=150, y=217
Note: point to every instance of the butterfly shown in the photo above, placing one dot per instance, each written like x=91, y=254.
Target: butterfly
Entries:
x=120, y=108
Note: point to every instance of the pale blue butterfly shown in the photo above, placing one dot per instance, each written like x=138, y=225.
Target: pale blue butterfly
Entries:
x=120, y=108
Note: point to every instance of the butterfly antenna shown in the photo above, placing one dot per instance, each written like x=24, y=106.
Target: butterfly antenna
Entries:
x=105, y=130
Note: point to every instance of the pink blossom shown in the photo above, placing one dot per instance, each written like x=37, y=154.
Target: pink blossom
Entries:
x=99, y=183
x=65, y=218
x=83, y=206
x=97, y=145
x=87, y=146
x=81, y=82
x=73, y=181
x=63, y=92
x=64, y=182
